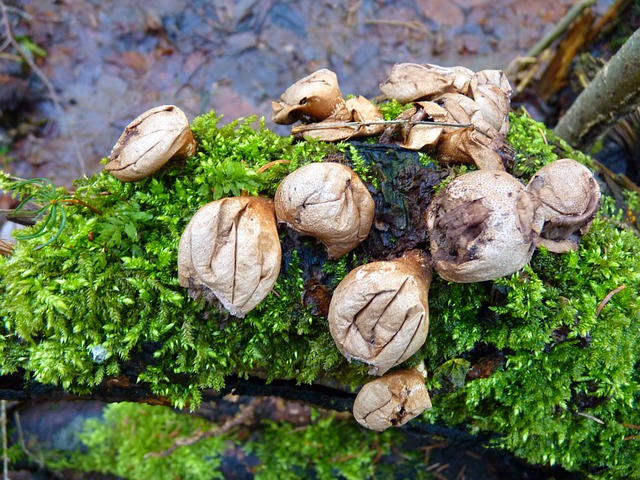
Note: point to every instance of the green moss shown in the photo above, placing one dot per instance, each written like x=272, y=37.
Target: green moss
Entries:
x=565, y=347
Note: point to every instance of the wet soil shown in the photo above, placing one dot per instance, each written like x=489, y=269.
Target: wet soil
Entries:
x=108, y=61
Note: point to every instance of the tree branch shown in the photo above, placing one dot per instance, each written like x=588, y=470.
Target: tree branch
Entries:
x=612, y=94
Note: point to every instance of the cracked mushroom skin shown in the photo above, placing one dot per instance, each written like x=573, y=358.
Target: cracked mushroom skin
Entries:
x=316, y=96
x=379, y=312
x=231, y=250
x=569, y=196
x=329, y=202
x=483, y=225
x=391, y=400
x=149, y=142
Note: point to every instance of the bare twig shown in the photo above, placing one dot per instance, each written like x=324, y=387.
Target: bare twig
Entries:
x=415, y=25
x=591, y=417
x=246, y=412
x=326, y=126
x=573, y=13
x=608, y=297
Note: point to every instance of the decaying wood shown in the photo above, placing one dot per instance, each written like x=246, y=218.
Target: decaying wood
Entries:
x=612, y=94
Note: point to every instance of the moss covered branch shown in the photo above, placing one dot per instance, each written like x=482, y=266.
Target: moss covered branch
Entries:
x=529, y=360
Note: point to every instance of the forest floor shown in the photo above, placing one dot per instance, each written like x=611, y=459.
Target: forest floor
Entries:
x=102, y=63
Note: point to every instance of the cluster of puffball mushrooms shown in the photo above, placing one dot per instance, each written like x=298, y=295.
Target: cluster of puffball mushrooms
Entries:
x=483, y=225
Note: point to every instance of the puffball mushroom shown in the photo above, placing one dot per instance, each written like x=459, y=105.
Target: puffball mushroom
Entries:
x=483, y=225
x=149, y=142
x=379, y=312
x=569, y=196
x=391, y=400
x=316, y=96
x=410, y=81
x=327, y=201
x=231, y=250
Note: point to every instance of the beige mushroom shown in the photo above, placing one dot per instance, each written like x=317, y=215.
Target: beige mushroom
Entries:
x=149, y=142
x=329, y=202
x=316, y=96
x=569, y=196
x=391, y=400
x=230, y=250
x=408, y=82
x=379, y=312
x=483, y=225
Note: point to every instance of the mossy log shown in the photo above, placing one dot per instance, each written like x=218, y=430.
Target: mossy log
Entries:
x=542, y=363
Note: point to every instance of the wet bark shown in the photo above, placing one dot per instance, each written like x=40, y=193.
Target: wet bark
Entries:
x=612, y=94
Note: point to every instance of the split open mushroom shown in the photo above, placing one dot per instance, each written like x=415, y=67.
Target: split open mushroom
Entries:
x=379, y=312
x=149, y=142
x=327, y=201
x=231, y=250
x=391, y=400
x=569, y=197
x=483, y=225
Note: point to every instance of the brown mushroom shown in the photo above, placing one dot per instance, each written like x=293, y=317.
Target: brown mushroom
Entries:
x=316, y=96
x=409, y=81
x=569, y=196
x=391, y=400
x=379, y=312
x=327, y=201
x=483, y=225
x=230, y=250
x=149, y=142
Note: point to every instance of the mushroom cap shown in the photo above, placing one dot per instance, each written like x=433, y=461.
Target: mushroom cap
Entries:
x=150, y=141
x=379, y=312
x=391, y=400
x=569, y=196
x=316, y=96
x=231, y=249
x=483, y=225
x=410, y=81
x=327, y=201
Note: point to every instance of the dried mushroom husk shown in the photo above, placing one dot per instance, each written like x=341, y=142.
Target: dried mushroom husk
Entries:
x=569, y=195
x=468, y=146
x=409, y=81
x=230, y=250
x=149, y=142
x=483, y=225
x=391, y=400
x=329, y=202
x=491, y=90
x=316, y=96
x=418, y=136
x=332, y=129
x=379, y=312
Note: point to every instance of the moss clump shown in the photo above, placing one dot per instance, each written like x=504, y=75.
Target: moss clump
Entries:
x=539, y=358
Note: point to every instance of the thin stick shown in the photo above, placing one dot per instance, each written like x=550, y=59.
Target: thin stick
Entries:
x=325, y=126
x=573, y=13
x=606, y=299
